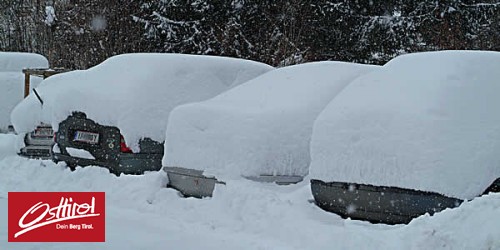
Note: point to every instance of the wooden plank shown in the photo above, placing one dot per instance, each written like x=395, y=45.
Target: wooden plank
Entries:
x=26, y=84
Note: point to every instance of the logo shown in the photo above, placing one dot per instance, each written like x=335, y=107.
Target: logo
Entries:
x=56, y=217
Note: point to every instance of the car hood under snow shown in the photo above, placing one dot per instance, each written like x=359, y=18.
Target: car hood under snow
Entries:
x=425, y=121
x=262, y=127
x=134, y=92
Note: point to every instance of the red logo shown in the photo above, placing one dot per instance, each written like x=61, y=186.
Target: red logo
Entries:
x=56, y=217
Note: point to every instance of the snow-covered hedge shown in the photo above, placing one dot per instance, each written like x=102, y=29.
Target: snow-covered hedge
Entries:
x=12, y=80
x=261, y=127
x=425, y=121
x=134, y=92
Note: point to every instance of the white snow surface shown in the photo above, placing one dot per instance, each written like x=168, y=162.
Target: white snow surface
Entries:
x=425, y=121
x=142, y=214
x=134, y=92
x=17, y=61
x=262, y=127
x=7, y=145
x=80, y=153
x=50, y=15
x=12, y=80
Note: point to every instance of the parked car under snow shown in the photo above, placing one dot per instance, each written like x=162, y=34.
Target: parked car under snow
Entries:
x=115, y=114
x=259, y=130
x=419, y=136
x=39, y=142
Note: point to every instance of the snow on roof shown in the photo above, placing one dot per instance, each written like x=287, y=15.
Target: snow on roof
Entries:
x=134, y=92
x=261, y=127
x=12, y=80
x=426, y=121
x=17, y=61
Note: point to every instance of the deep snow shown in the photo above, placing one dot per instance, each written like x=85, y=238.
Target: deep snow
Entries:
x=262, y=127
x=134, y=92
x=425, y=121
x=12, y=80
x=142, y=214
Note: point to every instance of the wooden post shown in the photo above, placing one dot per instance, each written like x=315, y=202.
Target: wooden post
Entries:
x=26, y=84
x=45, y=73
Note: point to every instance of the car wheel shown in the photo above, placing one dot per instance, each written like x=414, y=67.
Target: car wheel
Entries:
x=71, y=166
x=494, y=188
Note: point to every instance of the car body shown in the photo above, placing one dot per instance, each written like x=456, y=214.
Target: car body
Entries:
x=115, y=114
x=106, y=146
x=419, y=136
x=259, y=130
x=38, y=143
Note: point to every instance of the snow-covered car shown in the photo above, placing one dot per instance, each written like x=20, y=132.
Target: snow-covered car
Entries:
x=12, y=81
x=115, y=114
x=418, y=136
x=259, y=130
x=39, y=142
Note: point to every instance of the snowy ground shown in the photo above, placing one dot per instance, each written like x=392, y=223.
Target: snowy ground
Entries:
x=141, y=214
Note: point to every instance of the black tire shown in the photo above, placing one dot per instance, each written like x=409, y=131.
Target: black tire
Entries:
x=494, y=187
x=71, y=166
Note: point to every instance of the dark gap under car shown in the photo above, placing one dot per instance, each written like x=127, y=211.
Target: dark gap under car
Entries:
x=106, y=146
x=380, y=204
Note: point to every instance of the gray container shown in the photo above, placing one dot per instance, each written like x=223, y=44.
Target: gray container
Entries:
x=191, y=182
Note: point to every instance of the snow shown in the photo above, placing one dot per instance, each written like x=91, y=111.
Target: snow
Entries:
x=7, y=145
x=12, y=80
x=50, y=15
x=79, y=153
x=134, y=92
x=262, y=127
x=17, y=61
x=142, y=214
x=425, y=121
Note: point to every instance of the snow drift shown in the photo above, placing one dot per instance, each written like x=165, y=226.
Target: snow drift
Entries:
x=425, y=121
x=134, y=92
x=142, y=214
x=262, y=127
x=12, y=80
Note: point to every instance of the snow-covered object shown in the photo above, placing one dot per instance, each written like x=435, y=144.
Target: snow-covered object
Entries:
x=425, y=121
x=134, y=92
x=50, y=15
x=262, y=127
x=17, y=61
x=12, y=80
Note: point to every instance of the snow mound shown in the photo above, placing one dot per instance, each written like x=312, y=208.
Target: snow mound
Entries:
x=473, y=225
x=425, y=121
x=142, y=214
x=262, y=127
x=134, y=92
x=12, y=80
x=7, y=145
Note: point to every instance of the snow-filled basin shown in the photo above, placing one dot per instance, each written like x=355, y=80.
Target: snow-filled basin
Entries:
x=134, y=92
x=425, y=121
x=12, y=80
x=262, y=127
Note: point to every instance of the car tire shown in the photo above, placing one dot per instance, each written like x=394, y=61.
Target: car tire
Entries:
x=494, y=187
x=71, y=166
